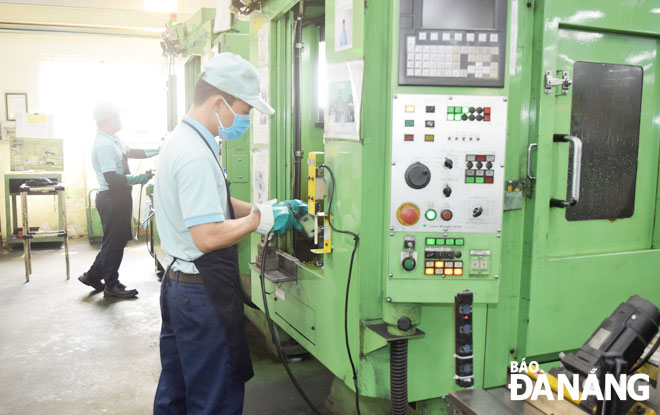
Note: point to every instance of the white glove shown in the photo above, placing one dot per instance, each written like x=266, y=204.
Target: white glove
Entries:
x=267, y=218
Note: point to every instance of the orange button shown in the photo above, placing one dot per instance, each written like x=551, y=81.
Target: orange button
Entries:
x=458, y=271
x=449, y=271
x=439, y=264
x=428, y=271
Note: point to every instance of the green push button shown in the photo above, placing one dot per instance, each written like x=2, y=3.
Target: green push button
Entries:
x=479, y=180
x=449, y=241
x=410, y=123
x=408, y=264
x=458, y=109
x=466, y=109
x=450, y=109
x=450, y=117
x=457, y=117
x=469, y=180
x=460, y=241
x=439, y=241
x=430, y=241
x=431, y=214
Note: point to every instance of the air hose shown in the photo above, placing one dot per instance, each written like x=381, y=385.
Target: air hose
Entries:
x=137, y=231
x=399, y=376
x=273, y=334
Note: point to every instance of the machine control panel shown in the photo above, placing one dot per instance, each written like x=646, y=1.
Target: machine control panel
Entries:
x=443, y=42
x=447, y=163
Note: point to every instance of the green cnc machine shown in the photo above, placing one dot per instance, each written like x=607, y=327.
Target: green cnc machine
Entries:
x=503, y=147
x=507, y=148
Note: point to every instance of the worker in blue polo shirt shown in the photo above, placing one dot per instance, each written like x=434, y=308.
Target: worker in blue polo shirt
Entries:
x=114, y=203
x=203, y=349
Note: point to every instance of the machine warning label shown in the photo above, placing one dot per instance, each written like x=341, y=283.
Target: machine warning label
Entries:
x=599, y=338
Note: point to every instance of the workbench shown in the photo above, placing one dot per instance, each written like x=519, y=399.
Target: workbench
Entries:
x=13, y=181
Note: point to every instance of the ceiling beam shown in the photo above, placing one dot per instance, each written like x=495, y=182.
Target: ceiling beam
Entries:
x=28, y=17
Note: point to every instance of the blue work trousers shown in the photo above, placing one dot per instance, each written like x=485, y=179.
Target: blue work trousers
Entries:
x=115, y=211
x=196, y=377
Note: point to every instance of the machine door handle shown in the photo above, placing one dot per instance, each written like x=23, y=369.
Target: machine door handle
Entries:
x=529, y=161
x=577, y=167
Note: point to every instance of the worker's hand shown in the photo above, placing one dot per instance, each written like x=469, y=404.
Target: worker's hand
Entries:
x=139, y=179
x=275, y=217
x=266, y=216
x=151, y=153
x=283, y=219
x=297, y=206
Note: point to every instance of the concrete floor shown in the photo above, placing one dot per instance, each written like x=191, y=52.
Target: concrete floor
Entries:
x=67, y=350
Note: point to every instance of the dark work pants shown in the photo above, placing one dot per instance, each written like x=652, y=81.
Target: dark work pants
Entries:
x=196, y=377
x=115, y=211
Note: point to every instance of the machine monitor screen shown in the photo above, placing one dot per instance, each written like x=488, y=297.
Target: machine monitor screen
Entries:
x=465, y=14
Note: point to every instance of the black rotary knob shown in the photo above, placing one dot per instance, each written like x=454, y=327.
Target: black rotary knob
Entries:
x=469, y=164
x=449, y=163
x=477, y=211
x=489, y=165
x=418, y=175
x=479, y=165
x=447, y=191
x=472, y=117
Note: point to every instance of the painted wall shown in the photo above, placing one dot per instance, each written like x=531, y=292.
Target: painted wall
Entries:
x=20, y=73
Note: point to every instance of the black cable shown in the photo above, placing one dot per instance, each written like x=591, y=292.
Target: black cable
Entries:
x=356, y=240
x=646, y=358
x=273, y=334
x=148, y=238
x=137, y=232
x=332, y=193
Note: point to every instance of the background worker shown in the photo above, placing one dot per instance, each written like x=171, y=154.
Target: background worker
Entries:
x=204, y=354
x=114, y=202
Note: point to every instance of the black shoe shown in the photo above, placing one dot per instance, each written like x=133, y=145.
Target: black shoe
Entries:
x=119, y=290
x=92, y=282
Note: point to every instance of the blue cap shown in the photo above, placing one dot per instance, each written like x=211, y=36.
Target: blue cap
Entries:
x=237, y=77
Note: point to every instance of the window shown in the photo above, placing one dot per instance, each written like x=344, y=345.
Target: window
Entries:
x=605, y=115
x=71, y=88
x=322, y=82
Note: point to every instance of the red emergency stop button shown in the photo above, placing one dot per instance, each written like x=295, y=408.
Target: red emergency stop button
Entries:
x=408, y=214
x=446, y=215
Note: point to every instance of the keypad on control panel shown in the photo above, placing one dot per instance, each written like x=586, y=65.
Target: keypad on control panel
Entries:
x=453, y=55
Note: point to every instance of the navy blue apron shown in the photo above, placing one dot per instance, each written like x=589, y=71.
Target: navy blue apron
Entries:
x=117, y=203
x=221, y=279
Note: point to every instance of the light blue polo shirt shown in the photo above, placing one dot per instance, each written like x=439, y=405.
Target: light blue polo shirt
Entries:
x=190, y=190
x=107, y=156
